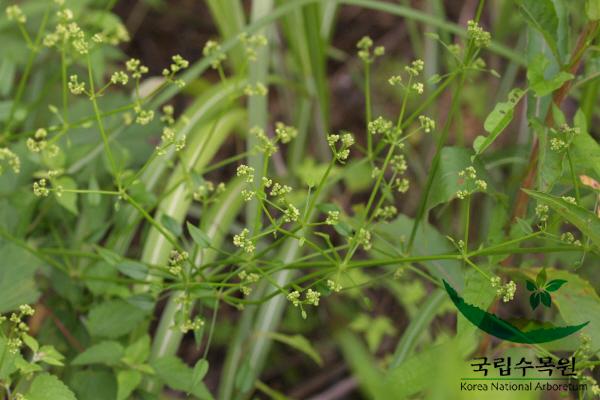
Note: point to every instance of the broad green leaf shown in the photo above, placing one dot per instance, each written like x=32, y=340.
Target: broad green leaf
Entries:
x=357, y=176
x=138, y=351
x=585, y=150
x=586, y=221
x=530, y=285
x=9, y=361
x=108, y=353
x=542, y=16
x=113, y=318
x=199, y=237
x=127, y=381
x=498, y=120
x=539, y=82
x=446, y=181
x=177, y=375
x=298, y=342
x=93, y=384
x=592, y=9
x=67, y=199
x=17, y=284
x=49, y=387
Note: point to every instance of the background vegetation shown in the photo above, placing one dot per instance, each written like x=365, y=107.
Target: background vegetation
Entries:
x=262, y=199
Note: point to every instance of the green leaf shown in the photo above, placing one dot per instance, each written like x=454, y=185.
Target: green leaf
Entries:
x=542, y=16
x=546, y=299
x=199, y=237
x=138, y=351
x=592, y=9
x=114, y=318
x=108, y=353
x=538, y=81
x=49, y=387
x=199, y=371
x=585, y=150
x=109, y=256
x=446, y=181
x=31, y=342
x=298, y=342
x=93, y=384
x=49, y=355
x=171, y=224
x=498, y=120
x=530, y=285
x=540, y=279
x=177, y=375
x=554, y=285
x=127, y=381
x=586, y=221
x=17, y=284
x=67, y=199
x=133, y=269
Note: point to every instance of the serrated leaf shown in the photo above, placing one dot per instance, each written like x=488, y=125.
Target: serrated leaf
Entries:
x=498, y=120
x=108, y=353
x=127, y=381
x=177, y=375
x=46, y=386
x=298, y=342
x=586, y=221
x=67, y=199
x=114, y=318
x=139, y=350
x=199, y=237
x=554, y=285
x=17, y=284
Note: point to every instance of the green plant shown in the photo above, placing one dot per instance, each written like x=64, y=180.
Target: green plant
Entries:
x=137, y=223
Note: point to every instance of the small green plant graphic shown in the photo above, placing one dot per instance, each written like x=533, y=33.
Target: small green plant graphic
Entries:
x=542, y=289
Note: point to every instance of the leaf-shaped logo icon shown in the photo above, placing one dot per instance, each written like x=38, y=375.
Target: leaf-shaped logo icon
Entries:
x=502, y=329
x=541, y=290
